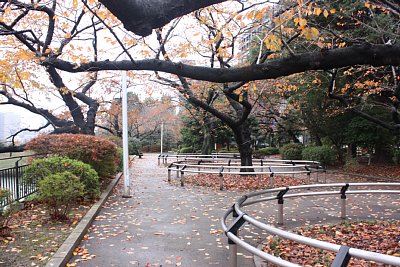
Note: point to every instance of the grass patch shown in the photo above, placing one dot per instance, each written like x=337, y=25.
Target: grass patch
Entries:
x=6, y=163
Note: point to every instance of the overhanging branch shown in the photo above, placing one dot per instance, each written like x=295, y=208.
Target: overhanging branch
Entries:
x=366, y=54
x=141, y=16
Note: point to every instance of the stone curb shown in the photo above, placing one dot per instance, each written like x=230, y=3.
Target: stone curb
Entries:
x=362, y=175
x=64, y=253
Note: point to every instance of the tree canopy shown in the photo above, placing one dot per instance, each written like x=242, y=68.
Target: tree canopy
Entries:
x=348, y=40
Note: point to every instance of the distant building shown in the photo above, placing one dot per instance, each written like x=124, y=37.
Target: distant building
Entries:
x=13, y=121
x=9, y=124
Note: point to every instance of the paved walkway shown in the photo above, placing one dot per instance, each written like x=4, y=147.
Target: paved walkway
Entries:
x=167, y=225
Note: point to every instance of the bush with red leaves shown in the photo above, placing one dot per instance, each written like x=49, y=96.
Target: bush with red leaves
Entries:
x=101, y=154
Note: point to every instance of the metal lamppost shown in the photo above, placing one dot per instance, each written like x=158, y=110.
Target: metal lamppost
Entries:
x=162, y=134
x=127, y=186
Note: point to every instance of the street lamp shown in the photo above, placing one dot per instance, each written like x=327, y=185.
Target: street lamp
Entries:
x=162, y=134
x=127, y=186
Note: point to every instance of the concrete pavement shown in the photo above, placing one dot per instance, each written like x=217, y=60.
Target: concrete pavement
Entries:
x=168, y=225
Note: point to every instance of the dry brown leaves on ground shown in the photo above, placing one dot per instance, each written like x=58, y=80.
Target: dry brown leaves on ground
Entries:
x=34, y=238
x=242, y=182
x=380, y=170
x=377, y=236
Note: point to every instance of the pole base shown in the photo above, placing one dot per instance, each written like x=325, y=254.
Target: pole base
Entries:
x=126, y=196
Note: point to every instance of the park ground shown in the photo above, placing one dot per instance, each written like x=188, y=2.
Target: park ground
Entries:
x=33, y=238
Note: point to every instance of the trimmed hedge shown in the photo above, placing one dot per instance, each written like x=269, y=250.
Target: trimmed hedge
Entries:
x=101, y=154
x=41, y=168
x=323, y=154
x=268, y=151
x=231, y=150
x=292, y=151
x=59, y=191
x=187, y=149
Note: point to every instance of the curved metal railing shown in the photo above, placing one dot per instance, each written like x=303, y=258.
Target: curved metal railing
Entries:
x=165, y=157
x=227, y=167
x=344, y=253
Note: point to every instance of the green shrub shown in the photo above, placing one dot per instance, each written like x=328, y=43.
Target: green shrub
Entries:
x=187, y=149
x=7, y=211
x=5, y=197
x=396, y=156
x=351, y=164
x=101, y=154
x=291, y=151
x=151, y=148
x=231, y=150
x=59, y=191
x=120, y=153
x=40, y=168
x=323, y=154
x=268, y=151
x=134, y=146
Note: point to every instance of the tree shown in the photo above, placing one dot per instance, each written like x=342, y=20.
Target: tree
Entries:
x=230, y=103
x=317, y=46
x=20, y=77
x=144, y=118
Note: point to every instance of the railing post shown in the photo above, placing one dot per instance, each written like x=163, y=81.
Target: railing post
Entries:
x=183, y=176
x=158, y=163
x=169, y=175
x=221, y=178
x=271, y=177
x=342, y=257
x=343, y=201
x=232, y=253
x=293, y=164
x=280, y=205
x=234, y=229
x=177, y=171
x=182, y=179
x=309, y=177
x=17, y=189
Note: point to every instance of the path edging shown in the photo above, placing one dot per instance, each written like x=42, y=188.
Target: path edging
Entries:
x=362, y=175
x=64, y=252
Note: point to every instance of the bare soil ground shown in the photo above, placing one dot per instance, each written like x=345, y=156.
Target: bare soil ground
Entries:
x=32, y=238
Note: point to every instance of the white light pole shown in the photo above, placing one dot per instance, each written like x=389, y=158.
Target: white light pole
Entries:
x=127, y=186
x=162, y=133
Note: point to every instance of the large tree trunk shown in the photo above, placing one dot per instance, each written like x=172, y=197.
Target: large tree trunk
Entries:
x=207, y=138
x=243, y=139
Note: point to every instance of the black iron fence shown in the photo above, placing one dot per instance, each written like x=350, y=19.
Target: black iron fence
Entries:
x=12, y=179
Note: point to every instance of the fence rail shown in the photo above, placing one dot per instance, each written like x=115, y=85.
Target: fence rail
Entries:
x=343, y=253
